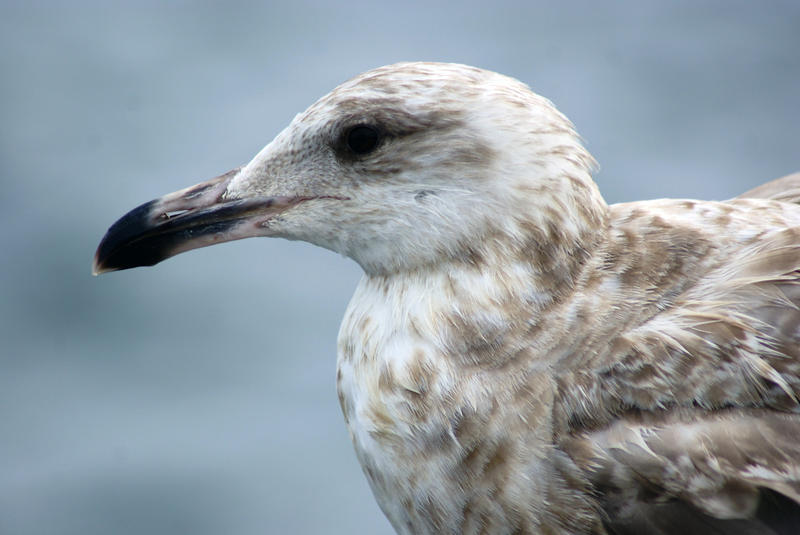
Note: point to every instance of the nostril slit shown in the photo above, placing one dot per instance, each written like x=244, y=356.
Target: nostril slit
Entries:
x=173, y=213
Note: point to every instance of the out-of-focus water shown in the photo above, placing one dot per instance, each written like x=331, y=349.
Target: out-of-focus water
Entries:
x=198, y=397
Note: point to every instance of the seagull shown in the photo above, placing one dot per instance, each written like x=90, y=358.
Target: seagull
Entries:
x=520, y=357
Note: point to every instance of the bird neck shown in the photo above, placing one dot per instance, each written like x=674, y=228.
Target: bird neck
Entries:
x=538, y=246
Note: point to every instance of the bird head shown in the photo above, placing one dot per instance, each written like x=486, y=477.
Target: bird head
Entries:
x=398, y=168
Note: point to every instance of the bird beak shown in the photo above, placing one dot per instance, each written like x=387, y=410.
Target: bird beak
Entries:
x=187, y=219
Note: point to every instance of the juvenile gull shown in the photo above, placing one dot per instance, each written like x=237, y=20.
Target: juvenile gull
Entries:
x=521, y=357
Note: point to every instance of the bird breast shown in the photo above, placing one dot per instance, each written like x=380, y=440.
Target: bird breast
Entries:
x=417, y=401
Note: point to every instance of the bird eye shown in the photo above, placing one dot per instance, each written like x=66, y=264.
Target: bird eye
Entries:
x=362, y=139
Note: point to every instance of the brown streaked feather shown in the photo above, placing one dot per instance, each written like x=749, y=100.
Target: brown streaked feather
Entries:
x=689, y=421
x=658, y=472
x=718, y=326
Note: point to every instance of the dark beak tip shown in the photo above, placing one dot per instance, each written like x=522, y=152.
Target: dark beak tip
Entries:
x=98, y=268
x=130, y=255
x=103, y=257
x=126, y=244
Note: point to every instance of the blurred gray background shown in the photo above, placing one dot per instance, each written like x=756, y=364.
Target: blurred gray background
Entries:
x=198, y=396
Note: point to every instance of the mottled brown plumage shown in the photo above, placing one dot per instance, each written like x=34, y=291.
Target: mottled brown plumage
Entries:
x=521, y=357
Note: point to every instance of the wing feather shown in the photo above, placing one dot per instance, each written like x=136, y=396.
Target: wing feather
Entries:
x=688, y=420
x=708, y=469
x=785, y=189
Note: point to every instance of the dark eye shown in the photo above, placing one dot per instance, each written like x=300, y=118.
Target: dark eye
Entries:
x=362, y=139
